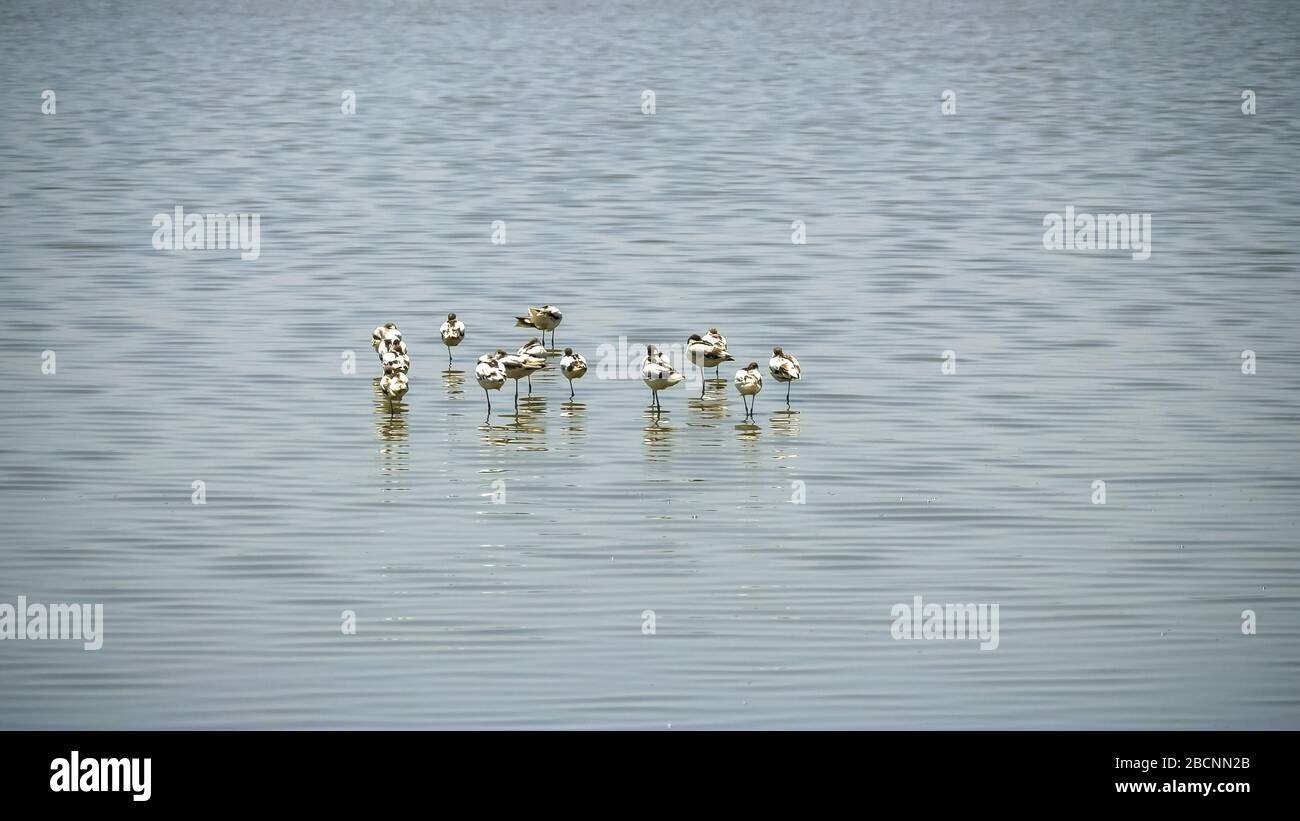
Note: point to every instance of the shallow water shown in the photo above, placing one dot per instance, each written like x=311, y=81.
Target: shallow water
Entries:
x=924, y=235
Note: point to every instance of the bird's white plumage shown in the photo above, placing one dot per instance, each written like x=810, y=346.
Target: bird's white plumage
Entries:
x=395, y=362
x=489, y=373
x=532, y=348
x=573, y=366
x=749, y=381
x=784, y=367
x=518, y=365
x=658, y=374
x=658, y=356
x=545, y=318
x=706, y=355
x=383, y=334
x=394, y=385
x=452, y=332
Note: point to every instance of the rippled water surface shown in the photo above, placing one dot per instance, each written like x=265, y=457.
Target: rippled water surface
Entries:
x=924, y=235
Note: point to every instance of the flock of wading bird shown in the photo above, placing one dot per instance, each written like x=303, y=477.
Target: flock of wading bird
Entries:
x=493, y=369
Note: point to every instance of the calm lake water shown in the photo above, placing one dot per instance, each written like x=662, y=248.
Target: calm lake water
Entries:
x=924, y=235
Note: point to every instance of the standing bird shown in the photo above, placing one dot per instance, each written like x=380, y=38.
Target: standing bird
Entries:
x=532, y=348
x=573, y=366
x=749, y=382
x=715, y=338
x=536, y=350
x=394, y=362
x=389, y=342
x=490, y=375
x=453, y=333
x=394, y=386
x=545, y=318
x=658, y=374
x=384, y=334
x=785, y=368
x=517, y=366
x=706, y=355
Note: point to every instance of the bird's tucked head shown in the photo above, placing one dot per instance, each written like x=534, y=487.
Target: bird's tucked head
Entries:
x=568, y=351
x=777, y=352
x=451, y=317
x=695, y=338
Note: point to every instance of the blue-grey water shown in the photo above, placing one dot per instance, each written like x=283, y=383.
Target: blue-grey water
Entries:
x=924, y=235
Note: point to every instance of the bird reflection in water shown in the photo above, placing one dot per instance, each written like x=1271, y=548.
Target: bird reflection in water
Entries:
x=785, y=422
x=712, y=407
x=747, y=434
x=658, y=434
x=523, y=429
x=531, y=406
x=454, y=380
x=395, y=455
x=574, y=415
